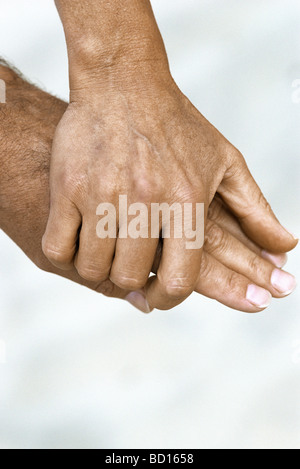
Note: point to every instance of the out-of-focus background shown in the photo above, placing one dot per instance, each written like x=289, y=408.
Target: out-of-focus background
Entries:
x=82, y=371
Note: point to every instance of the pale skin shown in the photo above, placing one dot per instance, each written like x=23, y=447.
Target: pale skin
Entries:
x=129, y=130
x=233, y=270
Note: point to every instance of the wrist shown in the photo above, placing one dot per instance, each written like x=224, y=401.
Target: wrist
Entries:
x=127, y=63
x=111, y=42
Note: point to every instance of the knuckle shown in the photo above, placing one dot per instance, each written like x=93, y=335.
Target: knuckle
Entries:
x=146, y=189
x=188, y=193
x=257, y=200
x=233, y=282
x=256, y=266
x=205, y=268
x=178, y=288
x=235, y=155
x=92, y=273
x=235, y=162
x=127, y=282
x=57, y=254
x=72, y=184
x=215, y=237
x=262, y=201
x=110, y=187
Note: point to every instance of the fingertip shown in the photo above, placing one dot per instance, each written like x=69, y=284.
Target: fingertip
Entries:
x=258, y=297
x=269, y=234
x=139, y=301
x=278, y=260
x=288, y=241
x=295, y=238
x=283, y=282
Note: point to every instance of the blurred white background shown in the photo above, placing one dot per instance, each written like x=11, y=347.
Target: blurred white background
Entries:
x=82, y=371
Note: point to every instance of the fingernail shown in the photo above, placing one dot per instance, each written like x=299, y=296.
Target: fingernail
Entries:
x=258, y=297
x=296, y=238
x=279, y=260
x=138, y=300
x=283, y=282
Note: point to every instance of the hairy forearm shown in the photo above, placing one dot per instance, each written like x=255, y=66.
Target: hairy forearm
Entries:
x=111, y=39
x=27, y=121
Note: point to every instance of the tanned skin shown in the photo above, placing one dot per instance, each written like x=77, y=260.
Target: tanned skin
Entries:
x=231, y=265
x=129, y=130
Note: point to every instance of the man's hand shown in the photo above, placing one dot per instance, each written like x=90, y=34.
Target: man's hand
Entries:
x=130, y=131
x=233, y=269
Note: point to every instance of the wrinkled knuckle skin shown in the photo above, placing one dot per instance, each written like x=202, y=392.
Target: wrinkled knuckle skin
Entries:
x=256, y=266
x=233, y=283
x=128, y=283
x=190, y=194
x=262, y=201
x=257, y=200
x=56, y=255
x=91, y=274
x=215, y=237
x=178, y=289
x=72, y=185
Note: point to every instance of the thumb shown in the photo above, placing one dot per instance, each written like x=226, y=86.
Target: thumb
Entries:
x=243, y=196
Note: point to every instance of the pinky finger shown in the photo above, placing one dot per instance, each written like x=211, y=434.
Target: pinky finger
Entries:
x=230, y=288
